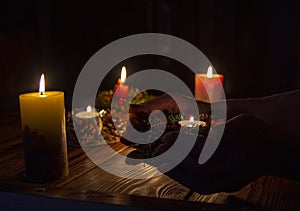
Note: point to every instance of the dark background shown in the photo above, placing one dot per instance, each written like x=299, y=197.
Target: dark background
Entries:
x=254, y=43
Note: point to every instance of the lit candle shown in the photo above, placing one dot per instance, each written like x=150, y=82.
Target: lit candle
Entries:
x=44, y=134
x=192, y=122
x=88, y=114
x=208, y=87
x=89, y=133
x=122, y=91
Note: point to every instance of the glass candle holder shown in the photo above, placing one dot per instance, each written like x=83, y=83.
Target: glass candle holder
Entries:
x=89, y=126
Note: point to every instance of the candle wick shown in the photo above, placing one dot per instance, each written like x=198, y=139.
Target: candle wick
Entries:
x=41, y=93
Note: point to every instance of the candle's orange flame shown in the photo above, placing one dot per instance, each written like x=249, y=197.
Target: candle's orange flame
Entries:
x=192, y=120
x=123, y=74
x=42, y=85
x=209, y=72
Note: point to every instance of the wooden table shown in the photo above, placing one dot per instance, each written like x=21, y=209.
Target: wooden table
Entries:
x=88, y=183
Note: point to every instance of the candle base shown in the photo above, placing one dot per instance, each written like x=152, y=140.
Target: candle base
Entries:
x=44, y=162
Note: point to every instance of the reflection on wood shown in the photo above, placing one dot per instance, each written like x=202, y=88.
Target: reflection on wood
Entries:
x=86, y=178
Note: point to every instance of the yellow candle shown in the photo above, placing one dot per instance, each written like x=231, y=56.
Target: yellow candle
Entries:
x=208, y=87
x=44, y=136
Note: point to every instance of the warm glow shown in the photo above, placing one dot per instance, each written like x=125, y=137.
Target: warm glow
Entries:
x=192, y=120
x=123, y=74
x=209, y=72
x=42, y=85
x=89, y=109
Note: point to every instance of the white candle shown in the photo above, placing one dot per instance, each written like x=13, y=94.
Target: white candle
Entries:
x=88, y=114
x=89, y=133
x=192, y=122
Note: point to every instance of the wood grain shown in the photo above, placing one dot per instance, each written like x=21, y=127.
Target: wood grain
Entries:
x=86, y=178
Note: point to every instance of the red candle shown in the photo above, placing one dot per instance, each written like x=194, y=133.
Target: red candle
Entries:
x=123, y=89
x=208, y=87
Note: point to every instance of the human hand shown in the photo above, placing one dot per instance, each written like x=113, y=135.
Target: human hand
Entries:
x=249, y=149
x=139, y=113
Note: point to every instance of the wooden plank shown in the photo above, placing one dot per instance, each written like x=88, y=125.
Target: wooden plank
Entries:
x=268, y=192
x=87, y=180
x=87, y=176
x=216, y=198
x=80, y=164
x=11, y=161
x=10, y=126
x=101, y=181
x=10, y=144
x=116, y=199
x=275, y=193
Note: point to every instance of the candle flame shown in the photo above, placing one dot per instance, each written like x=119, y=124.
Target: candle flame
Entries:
x=209, y=72
x=123, y=74
x=192, y=120
x=89, y=109
x=42, y=85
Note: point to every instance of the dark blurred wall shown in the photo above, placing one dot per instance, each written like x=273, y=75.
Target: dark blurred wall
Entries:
x=253, y=43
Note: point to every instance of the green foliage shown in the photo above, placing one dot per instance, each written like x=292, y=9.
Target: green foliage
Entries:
x=142, y=97
x=104, y=98
x=174, y=118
